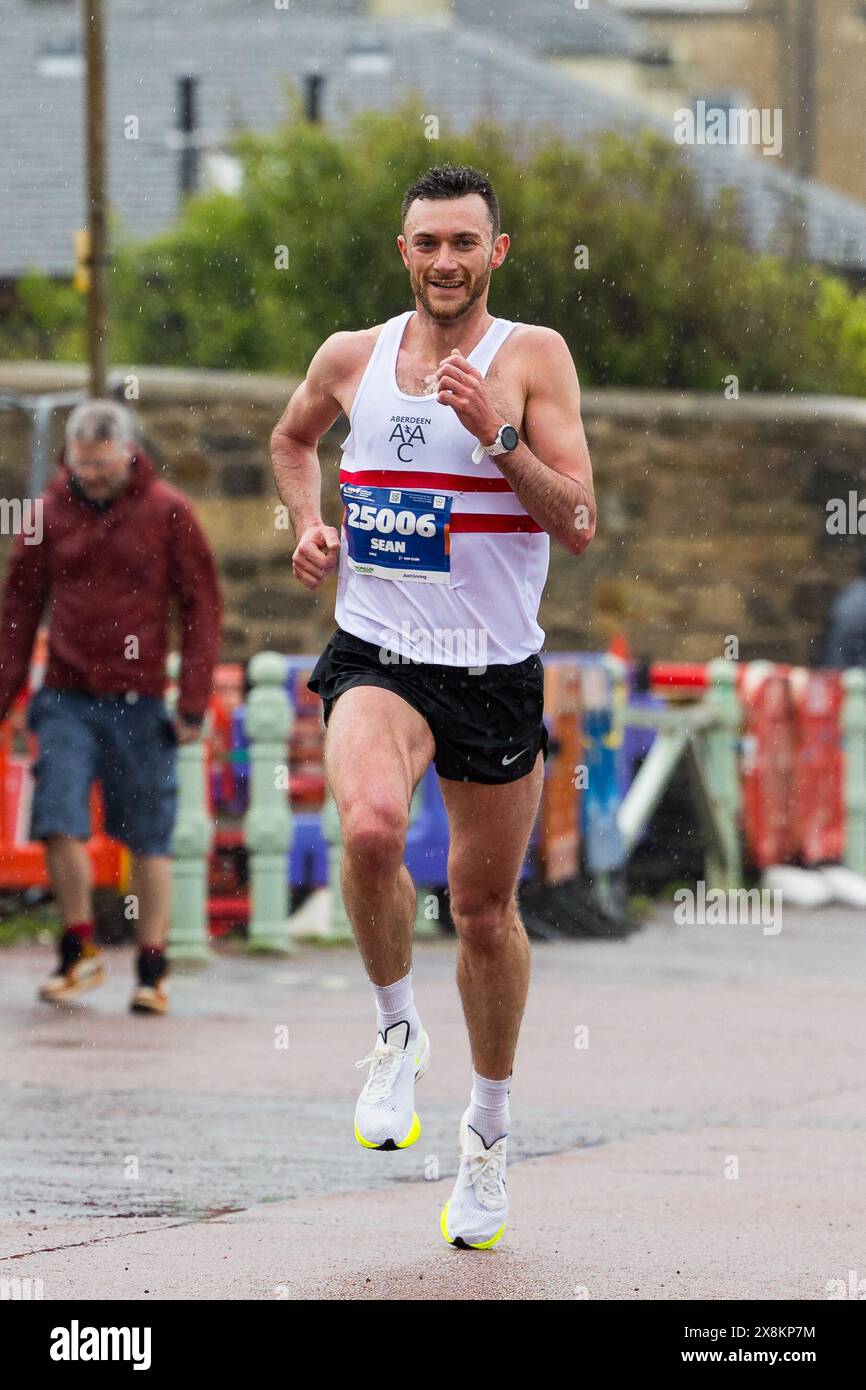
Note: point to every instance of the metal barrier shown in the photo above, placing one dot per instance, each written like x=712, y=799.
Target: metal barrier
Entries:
x=707, y=735
x=253, y=789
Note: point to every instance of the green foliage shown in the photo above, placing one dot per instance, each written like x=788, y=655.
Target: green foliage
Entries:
x=672, y=296
x=50, y=322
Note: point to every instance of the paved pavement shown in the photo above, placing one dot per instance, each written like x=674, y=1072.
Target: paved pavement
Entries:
x=193, y=1157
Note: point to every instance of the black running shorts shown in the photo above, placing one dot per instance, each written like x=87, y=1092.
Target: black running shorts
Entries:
x=487, y=727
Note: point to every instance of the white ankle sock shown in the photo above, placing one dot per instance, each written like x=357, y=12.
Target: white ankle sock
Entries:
x=396, y=1004
x=489, y=1112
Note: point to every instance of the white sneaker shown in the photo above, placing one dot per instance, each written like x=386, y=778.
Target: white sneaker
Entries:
x=385, y=1116
x=847, y=886
x=477, y=1210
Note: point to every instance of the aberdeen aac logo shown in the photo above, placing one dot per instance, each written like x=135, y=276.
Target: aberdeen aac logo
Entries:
x=409, y=430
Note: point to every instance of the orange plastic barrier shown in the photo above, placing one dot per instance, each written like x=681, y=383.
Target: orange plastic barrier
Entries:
x=820, y=797
x=218, y=748
x=678, y=677
x=769, y=773
x=559, y=839
x=307, y=748
x=228, y=683
x=22, y=861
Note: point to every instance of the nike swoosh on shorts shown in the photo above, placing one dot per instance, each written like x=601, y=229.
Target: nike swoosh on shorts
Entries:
x=514, y=757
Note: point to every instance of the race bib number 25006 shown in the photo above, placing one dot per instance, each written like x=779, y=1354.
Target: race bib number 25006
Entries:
x=396, y=534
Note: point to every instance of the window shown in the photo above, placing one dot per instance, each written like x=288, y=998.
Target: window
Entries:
x=60, y=57
x=372, y=59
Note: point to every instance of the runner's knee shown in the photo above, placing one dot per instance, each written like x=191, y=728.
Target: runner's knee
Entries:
x=374, y=833
x=482, y=920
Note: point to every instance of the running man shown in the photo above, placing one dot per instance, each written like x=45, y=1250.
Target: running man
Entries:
x=465, y=454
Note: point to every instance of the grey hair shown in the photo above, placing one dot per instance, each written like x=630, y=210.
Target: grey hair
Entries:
x=100, y=422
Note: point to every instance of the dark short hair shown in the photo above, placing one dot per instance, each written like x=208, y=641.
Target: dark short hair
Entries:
x=453, y=181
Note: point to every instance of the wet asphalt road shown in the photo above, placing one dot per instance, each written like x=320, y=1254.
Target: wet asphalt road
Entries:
x=193, y=1156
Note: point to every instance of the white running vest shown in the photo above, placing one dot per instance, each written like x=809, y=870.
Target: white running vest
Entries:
x=439, y=561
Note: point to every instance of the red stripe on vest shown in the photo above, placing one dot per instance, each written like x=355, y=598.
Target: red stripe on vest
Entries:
x=393, y=477
x=489, y=521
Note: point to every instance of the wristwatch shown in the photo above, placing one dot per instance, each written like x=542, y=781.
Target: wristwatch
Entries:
x=506, y=439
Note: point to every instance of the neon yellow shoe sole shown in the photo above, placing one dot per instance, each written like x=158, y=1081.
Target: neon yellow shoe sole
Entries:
x=390, y=1144
x=462, y=1244
x=414, y=1132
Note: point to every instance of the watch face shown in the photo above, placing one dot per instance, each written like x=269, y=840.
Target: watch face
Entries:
x=509, y=437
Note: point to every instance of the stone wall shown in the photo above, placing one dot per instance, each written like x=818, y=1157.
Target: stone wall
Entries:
x=712, y=513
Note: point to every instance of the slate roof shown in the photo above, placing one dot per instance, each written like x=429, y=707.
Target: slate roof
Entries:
x=243, y=51
x=555, y=26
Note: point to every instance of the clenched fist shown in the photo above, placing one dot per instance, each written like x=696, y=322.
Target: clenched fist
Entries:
x=316, y=555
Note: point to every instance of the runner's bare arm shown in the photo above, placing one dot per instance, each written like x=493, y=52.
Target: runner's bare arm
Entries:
x=550, y=472
x=311, y=411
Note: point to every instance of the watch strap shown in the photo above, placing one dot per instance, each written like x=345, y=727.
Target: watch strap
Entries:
x=489, y=449
x=479, y=453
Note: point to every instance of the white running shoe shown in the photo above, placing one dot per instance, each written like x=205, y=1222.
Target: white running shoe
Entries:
x=385, y=1116
x=474, y=1217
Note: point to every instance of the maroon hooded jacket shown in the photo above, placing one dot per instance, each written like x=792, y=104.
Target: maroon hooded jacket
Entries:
x=107, y=572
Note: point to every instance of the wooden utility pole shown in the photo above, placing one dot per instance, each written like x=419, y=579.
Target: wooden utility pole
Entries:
x=804, y=61
x=97, y=301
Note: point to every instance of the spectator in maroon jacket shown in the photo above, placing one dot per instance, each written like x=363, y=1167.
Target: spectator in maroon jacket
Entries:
x=117, y=545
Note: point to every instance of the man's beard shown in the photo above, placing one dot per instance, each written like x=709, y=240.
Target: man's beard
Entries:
x=446, y=312
x=97, y=497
